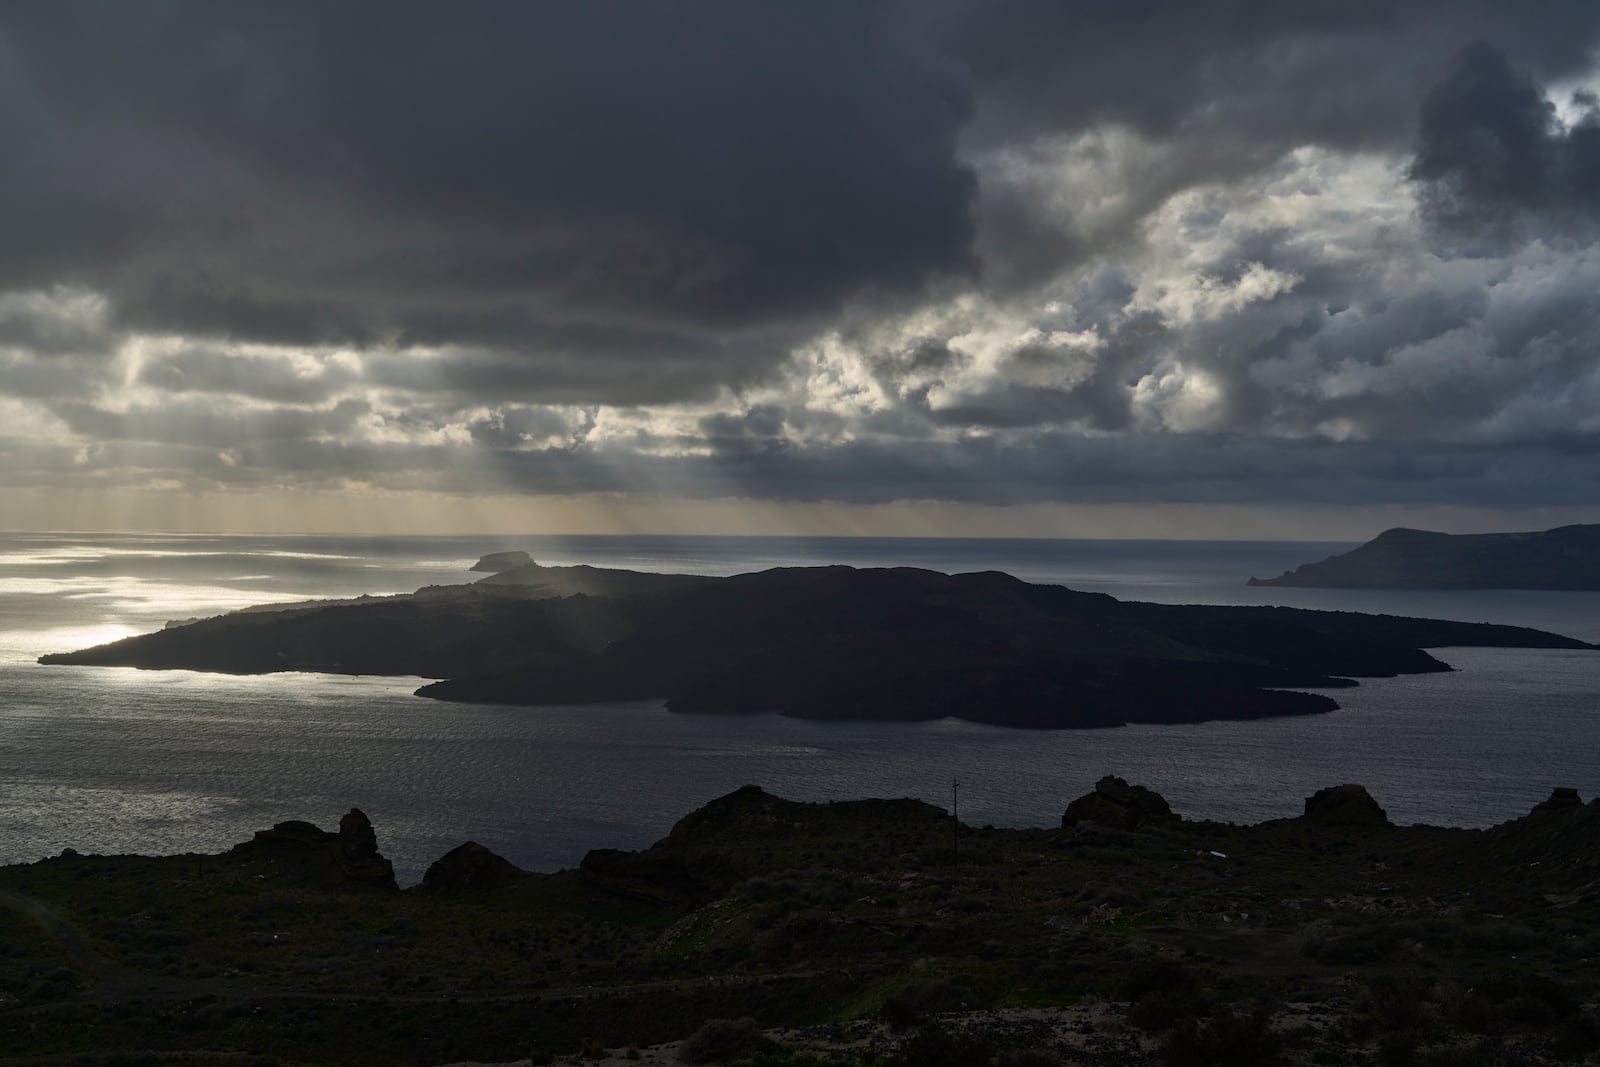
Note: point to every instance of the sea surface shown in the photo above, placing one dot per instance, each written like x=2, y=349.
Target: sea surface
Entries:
x=117, y=760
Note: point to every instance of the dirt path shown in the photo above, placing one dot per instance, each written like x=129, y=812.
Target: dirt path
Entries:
x=111, y=980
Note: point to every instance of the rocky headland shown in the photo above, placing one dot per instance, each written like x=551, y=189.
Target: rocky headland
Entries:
x=500, y=562
x=1566, y=558
x=825, y=643
x=870, y=933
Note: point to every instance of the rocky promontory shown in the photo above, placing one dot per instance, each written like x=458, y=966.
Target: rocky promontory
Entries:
x=499, y=562
x=1566, y=558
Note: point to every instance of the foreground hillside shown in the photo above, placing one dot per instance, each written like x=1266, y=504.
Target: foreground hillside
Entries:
x=1566, y=558
x=846, y=934
x=824, y=642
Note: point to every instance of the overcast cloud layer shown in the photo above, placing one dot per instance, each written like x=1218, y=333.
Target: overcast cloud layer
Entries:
x=1228, y=251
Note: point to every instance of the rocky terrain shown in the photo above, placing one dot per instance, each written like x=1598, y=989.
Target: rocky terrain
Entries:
x=872, y=933
x=1566, y=558
x=823, y=642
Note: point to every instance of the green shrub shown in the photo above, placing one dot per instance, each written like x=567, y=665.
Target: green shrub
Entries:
x=1475, y=1054
x=1396, y=1003
x=1032, y=1057
x=719, y=1041
x=1578, y=1036
x=937, y=1047
x=1161, y=994
x=1226, y=1039
x=1529, y=999
x=919, y=1001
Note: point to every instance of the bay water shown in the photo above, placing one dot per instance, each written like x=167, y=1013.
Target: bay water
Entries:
x=114, y=760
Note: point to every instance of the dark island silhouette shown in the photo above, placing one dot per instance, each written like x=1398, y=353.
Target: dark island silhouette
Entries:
x=824, y=643
x=1566, y=558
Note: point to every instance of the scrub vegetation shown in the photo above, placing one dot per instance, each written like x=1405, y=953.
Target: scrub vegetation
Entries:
x=767, y=932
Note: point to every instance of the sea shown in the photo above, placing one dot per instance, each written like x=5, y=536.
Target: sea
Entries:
x=116, y=760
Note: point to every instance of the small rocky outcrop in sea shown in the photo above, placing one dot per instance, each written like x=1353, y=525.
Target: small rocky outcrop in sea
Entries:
x=500, y=562
x=1116, y=805
x=466, y=868
x=349, y=857
x=1344, y=805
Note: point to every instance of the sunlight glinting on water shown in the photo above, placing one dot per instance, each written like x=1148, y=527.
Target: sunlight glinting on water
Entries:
x=126, y=595
x=117, y=759
x=28, y=645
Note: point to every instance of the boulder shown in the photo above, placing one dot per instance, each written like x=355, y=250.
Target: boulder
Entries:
x=1116, y=805
x=1344, y=805
x=466, y=868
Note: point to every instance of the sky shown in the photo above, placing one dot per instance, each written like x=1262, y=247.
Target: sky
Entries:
x=1148, y=268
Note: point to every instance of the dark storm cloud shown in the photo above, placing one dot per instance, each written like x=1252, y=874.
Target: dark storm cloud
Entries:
x=622, y=246
x=1043, y=469
x=204, y=425
x=1492, y=154
x=1224, y=88
x=1315, y=71
x=308, y=173
x=580, y=364
x=1053, y=468
x=312, y=173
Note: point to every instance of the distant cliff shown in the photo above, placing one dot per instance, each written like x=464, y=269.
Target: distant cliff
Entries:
x=825, y=643
x=1564, y=558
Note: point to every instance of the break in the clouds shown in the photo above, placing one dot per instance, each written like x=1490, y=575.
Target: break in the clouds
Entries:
x=1000, y=252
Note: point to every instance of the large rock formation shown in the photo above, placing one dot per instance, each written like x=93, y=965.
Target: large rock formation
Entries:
x=1562, y=798
x=1116, y=805
x=349, y=857
x=1344, y=805
x=467, y=868
x=715, y=847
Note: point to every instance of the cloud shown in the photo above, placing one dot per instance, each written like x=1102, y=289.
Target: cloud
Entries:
x=303, y=176
x=991, y=251
x=1493, y=159
x=279, y=377
x=62, y=321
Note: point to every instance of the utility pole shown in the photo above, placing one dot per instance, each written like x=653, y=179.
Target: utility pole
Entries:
x=955, y=823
